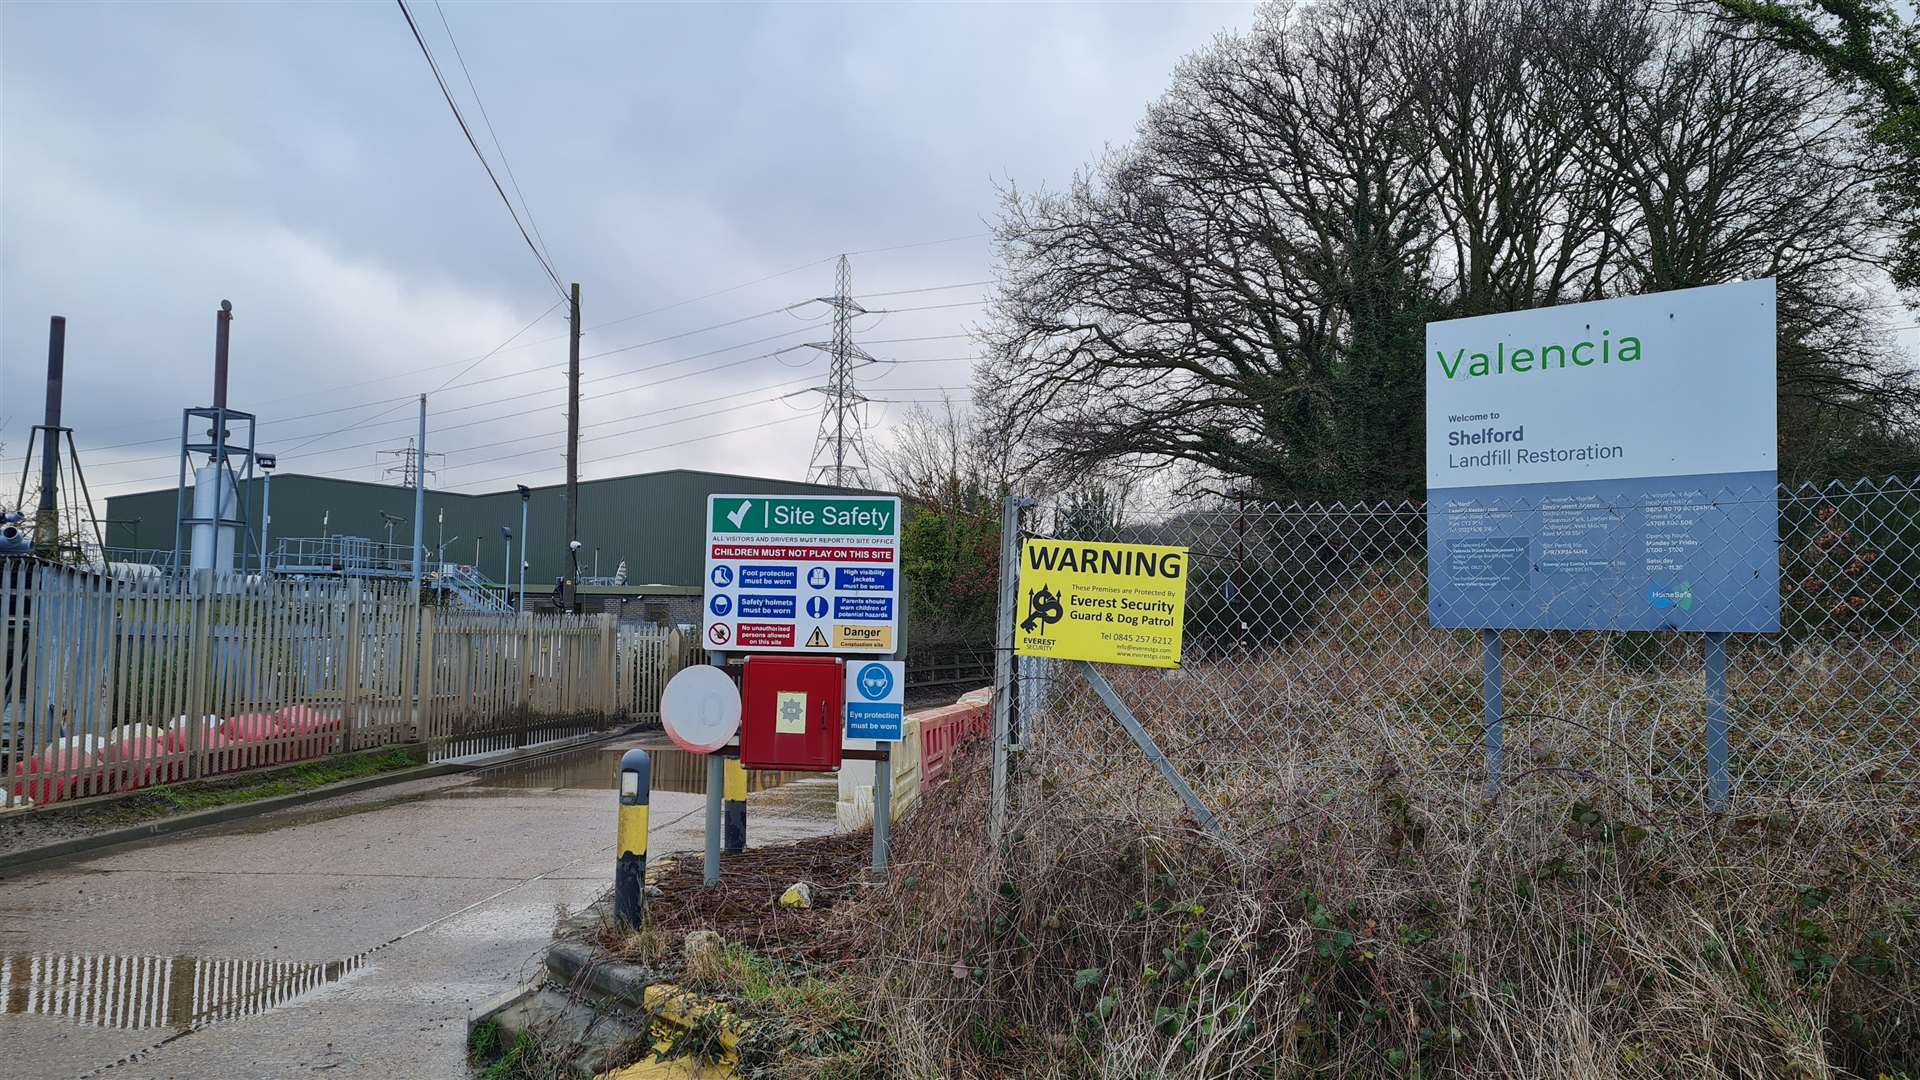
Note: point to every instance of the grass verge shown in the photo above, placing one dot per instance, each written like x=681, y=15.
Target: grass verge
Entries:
x=55, y=824
x=803, y=1019
x=167, y=800
x=491, y=1057
x=1388, y=921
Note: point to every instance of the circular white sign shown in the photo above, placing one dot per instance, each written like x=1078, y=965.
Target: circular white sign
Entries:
x=700, y=708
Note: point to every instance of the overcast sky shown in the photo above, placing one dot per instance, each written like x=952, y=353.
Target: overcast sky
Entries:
x=299, y=161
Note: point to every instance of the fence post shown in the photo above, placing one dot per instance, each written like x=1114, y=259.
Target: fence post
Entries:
x=1003, y=663
x=609, y=703
x=528, y=660
x=350, y=668
x=423, y=709
x=199, y=671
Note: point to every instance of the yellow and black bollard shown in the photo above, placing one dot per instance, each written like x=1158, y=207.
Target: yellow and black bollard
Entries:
x=736, y=811
x=630, y=870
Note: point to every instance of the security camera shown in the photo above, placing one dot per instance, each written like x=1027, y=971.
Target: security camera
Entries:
x=573, y=545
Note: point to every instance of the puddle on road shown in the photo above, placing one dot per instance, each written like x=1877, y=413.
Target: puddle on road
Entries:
x=142, y=992
x=598, y=769
x=593, y=768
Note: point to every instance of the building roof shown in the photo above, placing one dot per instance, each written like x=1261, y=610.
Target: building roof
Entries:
x=655, y=522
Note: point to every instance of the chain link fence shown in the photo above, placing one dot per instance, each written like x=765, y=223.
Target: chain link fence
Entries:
x=1309, y=652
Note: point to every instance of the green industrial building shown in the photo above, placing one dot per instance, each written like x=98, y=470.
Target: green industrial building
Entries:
x=653, y=522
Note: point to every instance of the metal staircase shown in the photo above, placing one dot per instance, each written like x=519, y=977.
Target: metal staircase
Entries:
x=471, y=591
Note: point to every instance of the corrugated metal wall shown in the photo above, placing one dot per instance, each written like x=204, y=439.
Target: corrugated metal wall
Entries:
x=655, y=521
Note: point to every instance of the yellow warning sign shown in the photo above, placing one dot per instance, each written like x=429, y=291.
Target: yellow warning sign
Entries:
x=1109, y=603
x=865, y=638
x=817, y=639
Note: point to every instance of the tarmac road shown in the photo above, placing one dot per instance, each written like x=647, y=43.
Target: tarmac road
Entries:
x=346, y=938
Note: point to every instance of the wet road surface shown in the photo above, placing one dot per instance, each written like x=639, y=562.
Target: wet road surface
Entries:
x=348, y=938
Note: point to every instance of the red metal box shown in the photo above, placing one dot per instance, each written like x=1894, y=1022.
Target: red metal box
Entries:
x=791, y=711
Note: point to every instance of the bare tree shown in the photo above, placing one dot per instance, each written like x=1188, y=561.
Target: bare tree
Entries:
x=944, y=459
x=1244, y=288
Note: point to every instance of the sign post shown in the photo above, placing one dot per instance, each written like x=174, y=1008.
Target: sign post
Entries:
x=1606, y=466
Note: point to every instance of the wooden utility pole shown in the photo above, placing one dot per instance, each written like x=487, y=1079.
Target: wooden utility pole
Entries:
x=573, y=446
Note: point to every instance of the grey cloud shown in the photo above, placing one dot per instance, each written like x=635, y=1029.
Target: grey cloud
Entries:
x=297, y=159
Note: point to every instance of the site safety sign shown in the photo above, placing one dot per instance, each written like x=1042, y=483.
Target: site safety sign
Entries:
x=1109, y=603
x=876, y=699
x=801, y=573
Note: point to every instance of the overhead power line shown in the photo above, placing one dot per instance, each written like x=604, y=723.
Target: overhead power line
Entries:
x=929, y=288
x=472, y=142
x=924, y=307
x=492, y=134
x=377, y=421
x=308, y=395
x=916, y=244
x=627, y=418
x=649, y=449
x=398, y=401
x=702, y=438
x=478, y=360
x=403, y=399
x=534, y=393
x=397, y=406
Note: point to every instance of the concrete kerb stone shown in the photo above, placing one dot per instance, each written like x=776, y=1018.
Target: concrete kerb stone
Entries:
x=602, y=1007
x=582, y=986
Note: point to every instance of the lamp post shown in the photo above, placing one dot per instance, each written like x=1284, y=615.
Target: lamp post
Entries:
x=506, y=565
x=526, y=496
x=266, y=463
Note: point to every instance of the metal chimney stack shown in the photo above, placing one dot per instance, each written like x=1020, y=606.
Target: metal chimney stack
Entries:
x=46, y=518
x=222, y=325
x=212, y=533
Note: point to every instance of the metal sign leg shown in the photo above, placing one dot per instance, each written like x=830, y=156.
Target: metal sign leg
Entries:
x=882, y=809
x=1125, y=715
x=716, y=798
x=716, y=780
x=1719, y=782
x=1493, y=707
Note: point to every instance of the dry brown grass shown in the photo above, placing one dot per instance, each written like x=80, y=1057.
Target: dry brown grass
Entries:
x=1371, y=913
